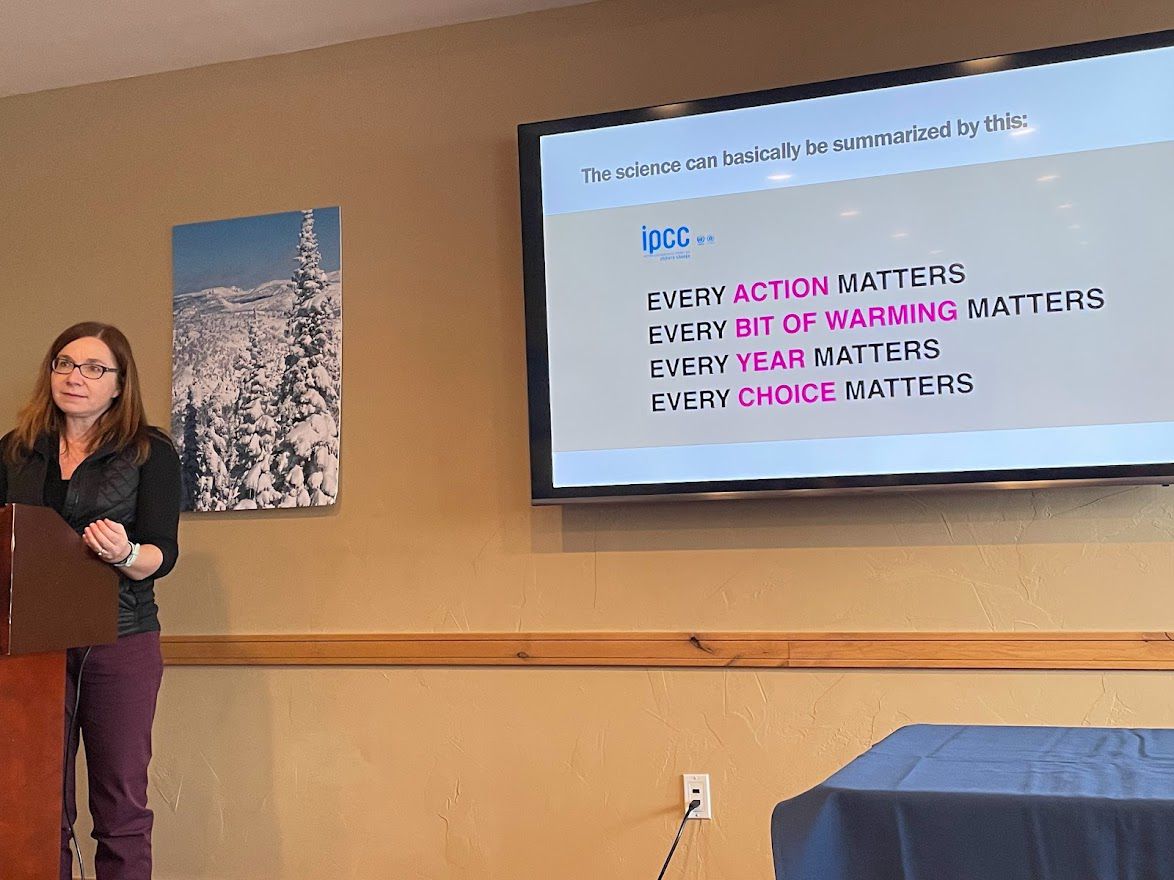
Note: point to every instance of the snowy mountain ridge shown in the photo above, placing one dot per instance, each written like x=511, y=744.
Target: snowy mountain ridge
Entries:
x=274, y=295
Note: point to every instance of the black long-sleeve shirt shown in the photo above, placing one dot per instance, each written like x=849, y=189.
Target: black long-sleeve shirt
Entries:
x=157, y=503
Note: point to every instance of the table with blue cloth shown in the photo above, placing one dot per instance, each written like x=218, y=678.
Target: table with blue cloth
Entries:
x=953, y=802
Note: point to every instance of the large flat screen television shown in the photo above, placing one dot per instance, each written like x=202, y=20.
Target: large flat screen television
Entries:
x=950, y=275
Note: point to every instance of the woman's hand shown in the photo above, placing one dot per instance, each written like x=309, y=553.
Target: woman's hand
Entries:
x=108, y=539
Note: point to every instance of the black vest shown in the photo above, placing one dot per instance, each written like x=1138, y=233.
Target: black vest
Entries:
x=104, y=486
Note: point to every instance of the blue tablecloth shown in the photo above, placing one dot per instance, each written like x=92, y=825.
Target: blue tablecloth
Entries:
x=949, y=802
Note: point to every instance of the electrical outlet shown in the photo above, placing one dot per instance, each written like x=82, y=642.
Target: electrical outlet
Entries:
x=697, y=788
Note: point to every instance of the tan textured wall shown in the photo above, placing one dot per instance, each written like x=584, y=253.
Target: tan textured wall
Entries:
x=524, y=773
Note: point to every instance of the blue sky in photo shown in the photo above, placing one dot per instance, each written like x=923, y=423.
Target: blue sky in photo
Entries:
x=247, y=251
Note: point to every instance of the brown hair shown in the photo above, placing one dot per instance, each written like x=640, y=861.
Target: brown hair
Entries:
x=122, y=426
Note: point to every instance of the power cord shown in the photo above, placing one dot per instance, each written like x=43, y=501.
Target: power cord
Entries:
x=77, y=701
x=693, y=805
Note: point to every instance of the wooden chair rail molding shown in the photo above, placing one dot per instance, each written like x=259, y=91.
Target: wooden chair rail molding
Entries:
x=795, y=650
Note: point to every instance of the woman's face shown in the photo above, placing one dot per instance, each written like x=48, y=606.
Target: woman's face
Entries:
x=77, y=396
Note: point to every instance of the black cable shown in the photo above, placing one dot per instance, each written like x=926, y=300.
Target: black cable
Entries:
x=77, y=701
x=693, y=805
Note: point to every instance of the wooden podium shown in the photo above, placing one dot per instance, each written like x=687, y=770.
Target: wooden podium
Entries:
x=54, y=594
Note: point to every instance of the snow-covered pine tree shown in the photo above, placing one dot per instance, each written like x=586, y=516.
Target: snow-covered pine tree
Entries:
x=256, y=430
x=213, y=491
x=306, y=462
x=189, y=466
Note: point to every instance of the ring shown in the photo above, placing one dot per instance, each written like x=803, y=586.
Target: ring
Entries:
x=101, y=552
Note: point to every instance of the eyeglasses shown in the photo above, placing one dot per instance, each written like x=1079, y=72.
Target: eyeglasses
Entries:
x=65, y=366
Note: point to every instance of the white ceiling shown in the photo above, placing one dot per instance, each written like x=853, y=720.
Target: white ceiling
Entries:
x=47, y=44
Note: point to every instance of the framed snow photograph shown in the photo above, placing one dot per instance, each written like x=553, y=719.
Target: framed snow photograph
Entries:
x=256, y=387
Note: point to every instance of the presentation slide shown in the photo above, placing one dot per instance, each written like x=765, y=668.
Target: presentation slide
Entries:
x=968, y=274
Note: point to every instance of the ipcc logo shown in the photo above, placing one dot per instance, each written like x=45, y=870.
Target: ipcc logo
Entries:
x=668, y=239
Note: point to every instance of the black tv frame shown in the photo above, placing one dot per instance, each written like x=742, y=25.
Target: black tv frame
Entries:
x=542, y=488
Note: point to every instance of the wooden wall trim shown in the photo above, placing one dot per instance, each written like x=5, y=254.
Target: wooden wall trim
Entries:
x=807, y=650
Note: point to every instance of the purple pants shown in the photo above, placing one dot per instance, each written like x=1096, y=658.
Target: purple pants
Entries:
x=119, y=685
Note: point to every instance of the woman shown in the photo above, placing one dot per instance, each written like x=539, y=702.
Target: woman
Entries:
x=82, y=446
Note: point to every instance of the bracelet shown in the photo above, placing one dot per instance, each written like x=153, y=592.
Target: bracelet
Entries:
x=130, y=557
